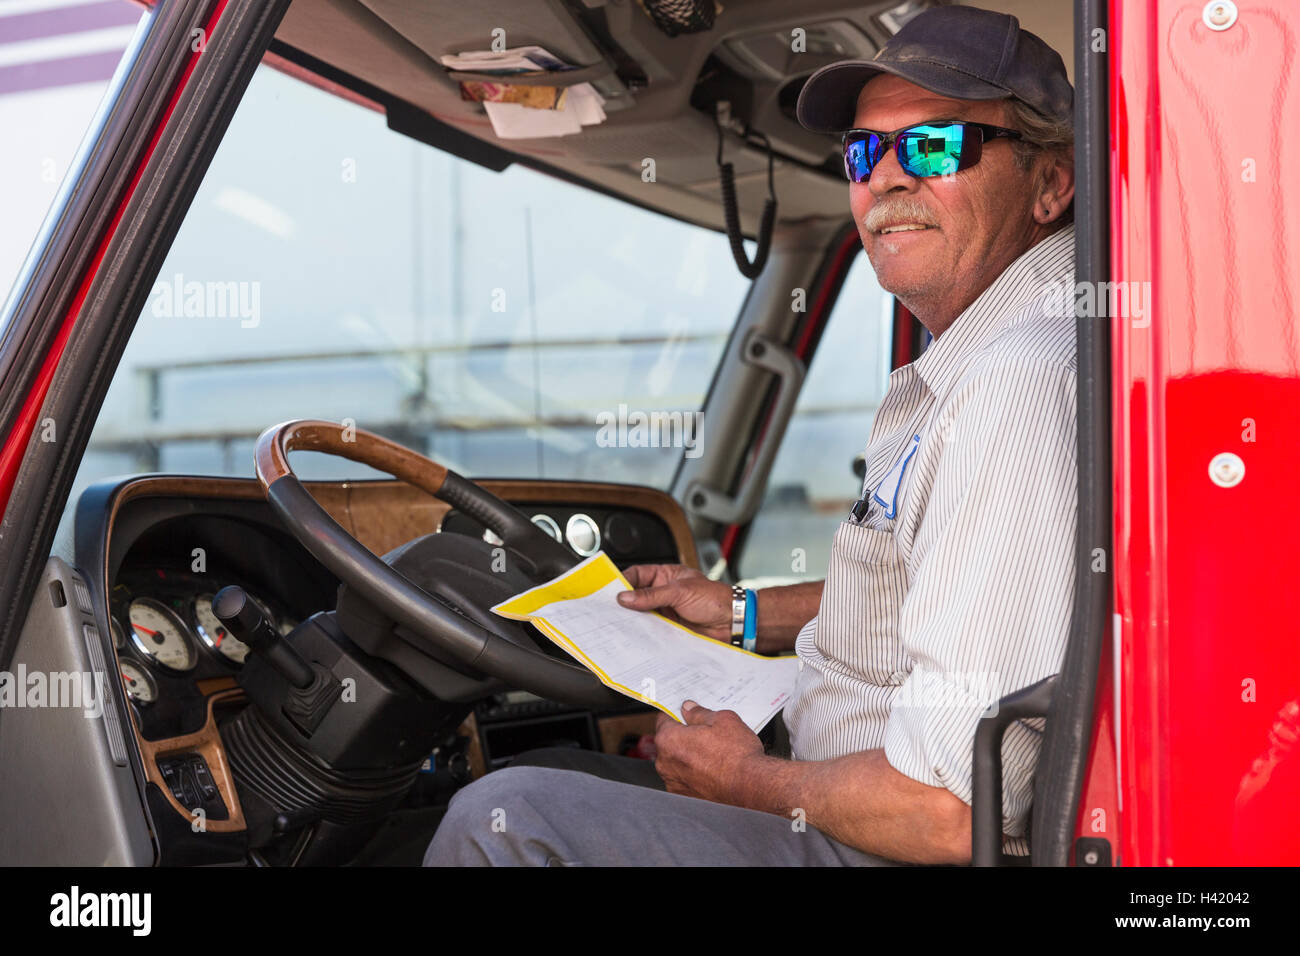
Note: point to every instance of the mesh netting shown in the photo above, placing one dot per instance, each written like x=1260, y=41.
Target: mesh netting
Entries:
x=680, y=16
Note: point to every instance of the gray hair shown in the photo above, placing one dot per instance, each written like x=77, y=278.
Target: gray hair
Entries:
x=1041, y=134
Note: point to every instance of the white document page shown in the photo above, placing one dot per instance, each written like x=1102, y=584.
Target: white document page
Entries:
x=512, y=121
x=646, y=656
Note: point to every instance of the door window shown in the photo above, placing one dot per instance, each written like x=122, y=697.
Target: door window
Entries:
x=812, y=484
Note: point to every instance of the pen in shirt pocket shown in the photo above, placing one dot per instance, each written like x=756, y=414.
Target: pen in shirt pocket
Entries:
x=858, y=513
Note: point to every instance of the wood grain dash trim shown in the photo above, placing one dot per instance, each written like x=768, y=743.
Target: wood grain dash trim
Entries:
x=205, y=742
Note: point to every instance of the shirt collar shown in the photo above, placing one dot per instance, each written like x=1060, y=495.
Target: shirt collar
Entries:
x=1038, y=268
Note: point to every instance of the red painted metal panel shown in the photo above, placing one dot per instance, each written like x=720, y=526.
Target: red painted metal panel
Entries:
x=1206, y=211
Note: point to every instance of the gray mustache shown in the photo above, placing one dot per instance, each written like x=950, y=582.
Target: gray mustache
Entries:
x=895, y=211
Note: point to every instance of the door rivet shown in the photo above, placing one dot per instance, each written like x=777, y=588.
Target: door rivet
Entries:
x=1226, y=469
x=1219, y=14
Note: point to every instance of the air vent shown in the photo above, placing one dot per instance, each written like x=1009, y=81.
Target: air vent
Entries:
x=82, y=594
x=108, y=699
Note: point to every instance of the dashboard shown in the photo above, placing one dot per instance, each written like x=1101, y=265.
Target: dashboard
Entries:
x=171, y=647
x=158, y=548
x=169, y=554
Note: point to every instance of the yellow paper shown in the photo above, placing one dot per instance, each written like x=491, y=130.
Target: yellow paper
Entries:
x=645, y=655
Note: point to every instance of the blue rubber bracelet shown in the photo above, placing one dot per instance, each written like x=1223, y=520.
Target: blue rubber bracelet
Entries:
x=751, y=620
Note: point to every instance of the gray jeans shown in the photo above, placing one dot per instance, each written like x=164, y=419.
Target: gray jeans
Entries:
x=560, y=807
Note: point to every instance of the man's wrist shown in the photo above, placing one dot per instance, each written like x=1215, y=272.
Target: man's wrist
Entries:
x=773, y=608
x=759, y=783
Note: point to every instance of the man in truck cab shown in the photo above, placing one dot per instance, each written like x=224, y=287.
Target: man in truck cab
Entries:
x=950, y=584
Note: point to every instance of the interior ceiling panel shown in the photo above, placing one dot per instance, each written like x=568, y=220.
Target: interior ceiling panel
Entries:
x=441, y=28
x=394, y=45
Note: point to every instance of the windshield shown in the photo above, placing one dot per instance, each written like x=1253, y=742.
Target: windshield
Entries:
x=500, y=323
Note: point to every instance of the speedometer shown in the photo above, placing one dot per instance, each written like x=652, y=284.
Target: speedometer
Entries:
x=160, y=635
x=214, y=633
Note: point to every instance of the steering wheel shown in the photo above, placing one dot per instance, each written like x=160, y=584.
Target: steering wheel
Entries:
x=430, y=618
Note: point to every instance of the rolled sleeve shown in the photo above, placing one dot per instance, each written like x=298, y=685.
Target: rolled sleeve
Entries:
x=930, y=737
x=992, y=578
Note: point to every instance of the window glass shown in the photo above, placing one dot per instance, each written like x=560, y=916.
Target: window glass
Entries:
x=503, y=323
x=812, y=484
x=56, y=60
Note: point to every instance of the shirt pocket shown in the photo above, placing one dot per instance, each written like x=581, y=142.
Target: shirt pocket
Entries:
x=857, y=625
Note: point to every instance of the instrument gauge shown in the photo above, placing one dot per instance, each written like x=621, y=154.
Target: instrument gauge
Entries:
x=583, y=535
x=214, y=633
x=139, y=685
x=547, y=524
x=160, y=635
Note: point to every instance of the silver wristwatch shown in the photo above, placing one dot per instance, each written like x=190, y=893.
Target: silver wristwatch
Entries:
x=737, y=615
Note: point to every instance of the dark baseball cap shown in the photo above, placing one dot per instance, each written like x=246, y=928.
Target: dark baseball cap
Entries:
x=960, y=52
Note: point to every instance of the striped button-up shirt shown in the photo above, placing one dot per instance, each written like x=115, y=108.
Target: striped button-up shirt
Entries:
x=956, y=585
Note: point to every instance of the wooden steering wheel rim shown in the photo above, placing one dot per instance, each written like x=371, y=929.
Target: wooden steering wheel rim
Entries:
x=366, y=448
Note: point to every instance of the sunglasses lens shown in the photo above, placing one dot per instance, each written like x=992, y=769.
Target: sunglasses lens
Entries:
x=938, y=150
x=858, y=159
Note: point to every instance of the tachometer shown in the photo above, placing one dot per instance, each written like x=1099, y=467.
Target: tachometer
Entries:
x=160, y=635
x=214, y=633
x=139, y=685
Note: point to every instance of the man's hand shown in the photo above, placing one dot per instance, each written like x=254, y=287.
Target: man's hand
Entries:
x=708, y=755
x=688, y=597
x=681, y=594
x=858, y=799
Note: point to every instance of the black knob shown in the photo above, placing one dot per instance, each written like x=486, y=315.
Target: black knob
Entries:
x=245, y=620
x=622, y=535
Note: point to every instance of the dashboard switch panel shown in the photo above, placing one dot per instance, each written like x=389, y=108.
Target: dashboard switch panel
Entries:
x=191, y=783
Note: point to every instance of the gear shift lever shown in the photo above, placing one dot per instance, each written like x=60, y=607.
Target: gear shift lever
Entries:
x=242, y=617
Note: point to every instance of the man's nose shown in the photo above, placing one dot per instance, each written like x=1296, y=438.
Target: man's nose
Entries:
x=888, y=176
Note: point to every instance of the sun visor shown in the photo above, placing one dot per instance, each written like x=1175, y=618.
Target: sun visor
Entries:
x=441, y=30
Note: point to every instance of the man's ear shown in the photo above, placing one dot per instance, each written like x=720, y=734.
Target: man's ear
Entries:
x=1055, y=190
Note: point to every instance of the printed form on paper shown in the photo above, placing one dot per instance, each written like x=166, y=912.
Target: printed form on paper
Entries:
x=645, y=655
